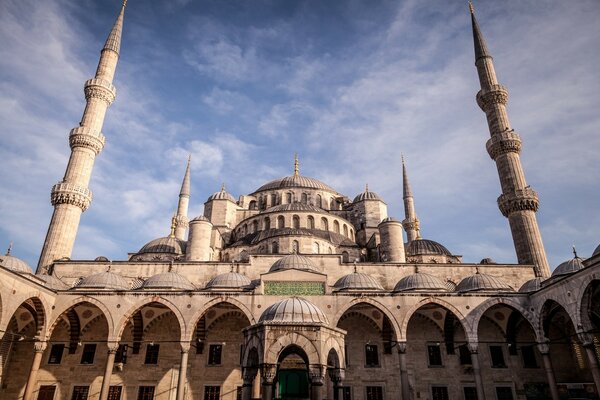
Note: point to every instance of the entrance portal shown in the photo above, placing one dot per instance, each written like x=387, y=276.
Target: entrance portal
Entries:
x=292, y=375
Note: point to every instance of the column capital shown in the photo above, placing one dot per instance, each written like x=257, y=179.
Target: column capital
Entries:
x=39, y=346
x=401, y=347
x=185, y=347
x=336, y=375
x=473, y=347
x=112, y=347
x=248, y=375
x=268, y=372
x=586, y=339
x=316, y=374
x=543, y=347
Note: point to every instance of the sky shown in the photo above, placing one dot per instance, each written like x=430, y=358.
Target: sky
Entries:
x=349, y=85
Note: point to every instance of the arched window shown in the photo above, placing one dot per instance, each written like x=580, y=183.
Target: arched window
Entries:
x=252, y=205
x=336, y=227
x=304, y=198
x=296, y=222
x=267, y=223
x=254, y=226
x=351, y=234
x=244, y=256
x=316, y=248
x=288, y=198
x=345, y=257
x=275, y=248
x=273, y=199
x=330, y=250
x=295, y=247
x=244, y=230
x=332, y=204
x=310, y=222
x=324, y=224
x=319, y=201
x=280, y=222
x=345, y=230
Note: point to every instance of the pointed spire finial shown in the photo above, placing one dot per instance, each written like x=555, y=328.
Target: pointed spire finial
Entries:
x=296, y=165
x=366, y=188
x=170, y=266
x=575, y=252
x=173, y=226
x=223, y=187
x=481, y=49
x=185, y=185
x=9, y=249
x=113, y=42
x=471, y=8
x=407, y=191
x=124, y=3
x=416, y=269
x=355, y=267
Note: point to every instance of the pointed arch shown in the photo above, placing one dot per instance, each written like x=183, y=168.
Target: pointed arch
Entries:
x=437, y=301
x=279, y=345
x=381, y=307
x=71, y=304
x=148, y=301
x=212, y=303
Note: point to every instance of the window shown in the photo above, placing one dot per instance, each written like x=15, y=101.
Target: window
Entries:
x=273, y=199
x=464, y=354
x=504, y=393
x=212, y=392
x=316, y=248
x=497, y=356
x=214, y=354
x=288, y=198
x=319, y=201
x=346, y=393
x=439, y=393
x=46, y=392
x=267, y=223
x=114, y=392
x=89, y=351
x=280, y=222
x=371, y=355
x=296, y=222
x=121, y=355
x=275, y=248
x=145, y=393
x=374, y=392
x=80, y=392
x=336, y=227
x=347, y=355
x=310, y=222
x=304, y=198
x=434, y=355
x=324, y=224
x=345, y=256
x=152, y=353
x=345, y=230
x=528, y=354
x=239, y=393
x=254, y=226
x=470, y=393
x=295, y=247
x=56, y=352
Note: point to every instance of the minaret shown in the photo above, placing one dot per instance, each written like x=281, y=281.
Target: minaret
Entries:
x=181, y=218
x=71, y=196
x=296, y=165
x=411, y=222
x=518, y=201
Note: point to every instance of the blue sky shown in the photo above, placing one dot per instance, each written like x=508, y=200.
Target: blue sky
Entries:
x=348, y=84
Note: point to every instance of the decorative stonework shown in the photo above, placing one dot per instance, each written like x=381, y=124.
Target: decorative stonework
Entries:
x=496, y=94
x=68, y=193
x=181, y=221
x=519, y=200
x=294, y=288
x=502, y=143
x=84, y=137
x=100, y=89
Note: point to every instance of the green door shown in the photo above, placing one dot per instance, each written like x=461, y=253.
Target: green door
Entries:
x=293, y=384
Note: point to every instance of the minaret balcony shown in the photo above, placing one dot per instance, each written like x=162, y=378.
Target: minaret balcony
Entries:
x=525, y=199
x=83, y=136
x=100, y=89
x=495, y=94
x=69, y=193
x=504, y=142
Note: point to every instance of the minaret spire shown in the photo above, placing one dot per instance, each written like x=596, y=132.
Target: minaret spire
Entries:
x=181, y=218
x=71, y=196
x=411, y=222
x=518, y=201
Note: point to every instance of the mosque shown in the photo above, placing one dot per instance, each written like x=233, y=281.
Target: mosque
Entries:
x=296, y=291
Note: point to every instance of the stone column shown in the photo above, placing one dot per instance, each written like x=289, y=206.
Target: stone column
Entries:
x=403, y=371
x=256, y=385
x=544, y=349
x=38, y=348
x=249, y=374
x=474, y=349
x=268, y=375
x=587, y=341
x=337, y=376
x=316, y=374
x=183, y=364
x=108, y=368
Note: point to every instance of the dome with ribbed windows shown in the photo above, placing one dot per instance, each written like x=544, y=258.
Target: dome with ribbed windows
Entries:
x=295, y=181
x=294, y=207
x=168, y=244
x=229, y=280
x=420, y=247
x=367, y=195
x=357, y=281
x=222, y=195
x=294, y=310
x=482, y=283
x=168, y=281
x=104, y=281
x=570, y=266
x=418, y=282
x=293, y=261
x=15, y=264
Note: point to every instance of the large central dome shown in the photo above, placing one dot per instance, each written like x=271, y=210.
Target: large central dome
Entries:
x=295, y=181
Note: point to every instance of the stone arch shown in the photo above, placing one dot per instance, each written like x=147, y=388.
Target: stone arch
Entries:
x=38, y=303
x=252, y=342
x=81, y=300
x=214, y=302
x=585, y=307
x=477, y=313
x=546, y=314
x=332, y=344
x=288, y=339
x=374, y=303
x=442, y=303
x=147, y=301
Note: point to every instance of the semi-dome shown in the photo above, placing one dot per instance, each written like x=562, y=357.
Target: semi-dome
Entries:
x=294, y=207
x=295, y=181
x=168, y=280
x=105, y=281
x=367, y=195
x=420, y=247
x=294, y=310
x=420, y=282
x=15, y=264
x=222, y=195
x=482, y=282
x=532, y=285
x=293, y=261
x=168, y=244
x=357, y=281
x=229, y=280
x=568, y=267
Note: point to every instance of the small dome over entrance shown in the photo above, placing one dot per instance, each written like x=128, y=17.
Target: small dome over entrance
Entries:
x=294, y=310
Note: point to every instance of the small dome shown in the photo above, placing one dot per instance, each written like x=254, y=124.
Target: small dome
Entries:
x=596, y=252
x=15, y=264
x=229, y=280
x=295, y=181
x=367, y=195
x=568, y=267
x=420, y=282
x=168, y=244
x=104, y=280
x=482, y=282
x=52, y=282
x=419, y=247
x=222, y=195
x=357, y=281
x=532, y=285
x=294, y=207
x=487, y=261
x=200, y=218
x=296, y=310
x=168, y=280
x=293, y=261
x=389, y=219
